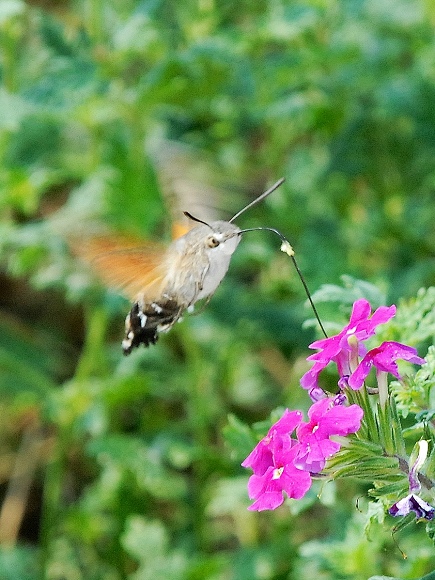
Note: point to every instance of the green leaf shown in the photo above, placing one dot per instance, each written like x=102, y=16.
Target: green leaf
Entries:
x=430, y=576
x=414, y=322
x=26, y=361
x=148, y=542
x=239, y=438
x=352, y=290
x=143, y=461
x=396, y=490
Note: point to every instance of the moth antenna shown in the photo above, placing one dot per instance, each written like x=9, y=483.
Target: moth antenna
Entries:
x=254, y=202
x=259, y=198
x=286, y=248
x=195, y=219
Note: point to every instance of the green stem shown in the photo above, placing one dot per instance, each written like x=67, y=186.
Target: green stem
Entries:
x=10, y=40
x=369, y=428
x=95, y=20
x=385, y=429
x=199, y=423
x=429, y=11
x=93, y=360
x=396, y=429
x=52, y=499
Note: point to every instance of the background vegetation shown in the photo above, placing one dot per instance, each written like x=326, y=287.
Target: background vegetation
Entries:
x=124, y=113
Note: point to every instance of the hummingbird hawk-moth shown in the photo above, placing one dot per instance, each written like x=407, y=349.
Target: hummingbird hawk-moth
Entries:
x=163, y=283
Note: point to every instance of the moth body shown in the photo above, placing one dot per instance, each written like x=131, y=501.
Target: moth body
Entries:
x=192, y=269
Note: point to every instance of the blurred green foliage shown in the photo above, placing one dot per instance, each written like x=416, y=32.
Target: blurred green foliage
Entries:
x=107, y=109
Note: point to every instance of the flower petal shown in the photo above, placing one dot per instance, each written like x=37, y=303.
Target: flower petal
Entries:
x=275, y=446
x=383, y=357
x=412, y=503
x=268, y=488
x=345, y=346
x=313, y=454
x=327, y=417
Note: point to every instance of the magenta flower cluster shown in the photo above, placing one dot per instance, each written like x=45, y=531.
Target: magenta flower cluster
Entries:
x=293, y=451
x=282, y=463
x=346, y=349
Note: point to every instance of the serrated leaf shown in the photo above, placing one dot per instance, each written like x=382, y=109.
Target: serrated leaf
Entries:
x=148, y=542
x=398, y=489
x=239, y=437
x=414, y=322
x=352, y=290
x=133, y=455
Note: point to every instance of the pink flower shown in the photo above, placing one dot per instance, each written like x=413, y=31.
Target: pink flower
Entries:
x=338, y=348
x=277, y=442
x=282, y=476
x=272, y=463
x=383, y=357
x=327, y=417
x=281, y=464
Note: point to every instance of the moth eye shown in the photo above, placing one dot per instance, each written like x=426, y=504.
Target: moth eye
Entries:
x=212, y=242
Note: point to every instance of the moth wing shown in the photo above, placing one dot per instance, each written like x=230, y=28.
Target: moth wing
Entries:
x=133, y=270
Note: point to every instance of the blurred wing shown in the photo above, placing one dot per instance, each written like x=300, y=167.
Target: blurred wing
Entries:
x=191, y=180
x=132, y=270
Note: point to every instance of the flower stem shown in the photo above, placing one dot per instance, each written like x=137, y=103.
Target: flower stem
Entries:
x=92, y=360
x=369, y=428
x=396, y=429
x=52, y=497
x=385, y=430
x=381, y=377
